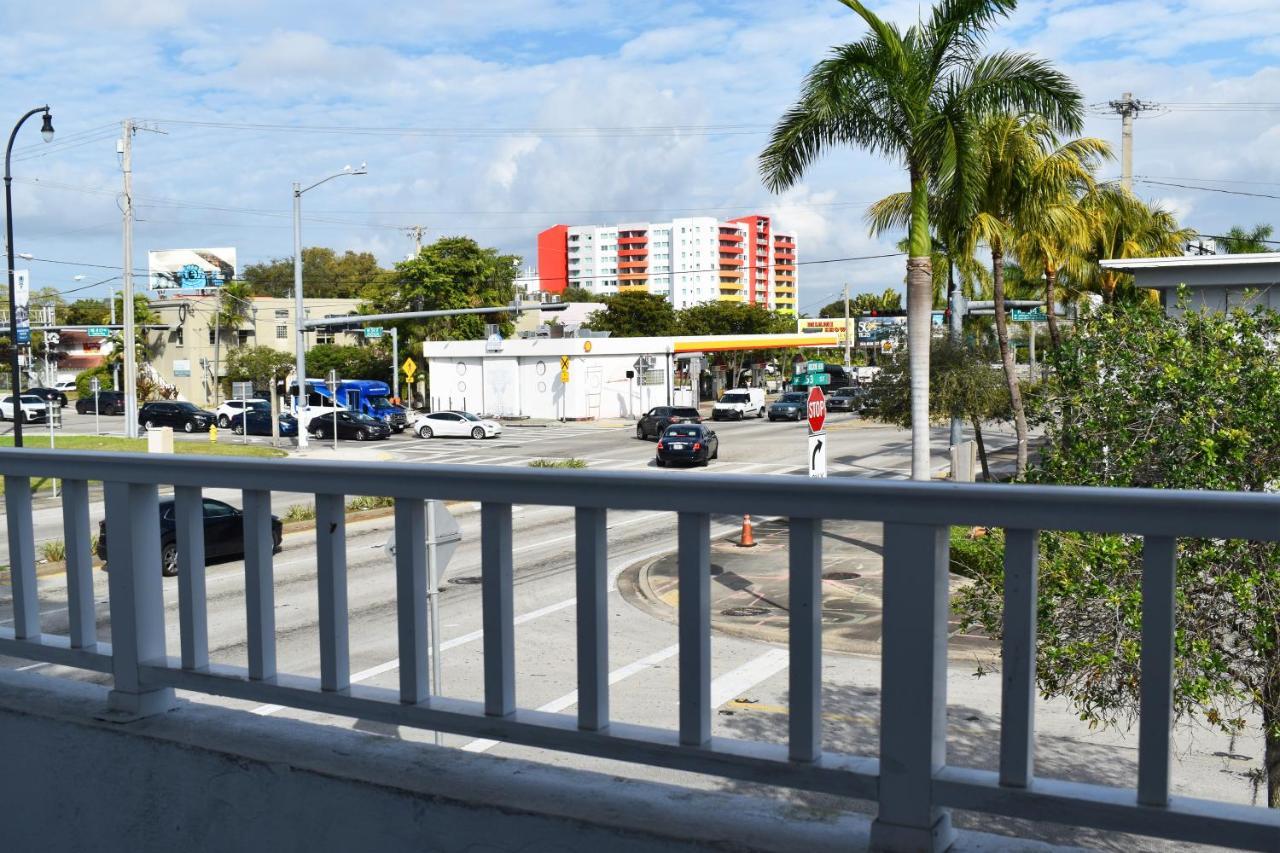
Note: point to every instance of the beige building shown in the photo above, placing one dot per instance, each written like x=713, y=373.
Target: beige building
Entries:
x=191, y=352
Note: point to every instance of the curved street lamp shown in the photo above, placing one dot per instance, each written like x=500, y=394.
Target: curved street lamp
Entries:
x=300, y=356
x=46, y=131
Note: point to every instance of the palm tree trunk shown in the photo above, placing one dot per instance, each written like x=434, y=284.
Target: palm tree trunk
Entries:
x=919, y=310
x=1006, y=356
x=1050, y=286
x=982, y=448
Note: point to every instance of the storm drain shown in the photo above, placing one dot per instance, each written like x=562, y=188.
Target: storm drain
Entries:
x=840, y=576
x=466, y=580
x=745, y=611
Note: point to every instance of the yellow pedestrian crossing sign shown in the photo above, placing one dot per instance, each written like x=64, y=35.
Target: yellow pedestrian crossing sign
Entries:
x=409, y=367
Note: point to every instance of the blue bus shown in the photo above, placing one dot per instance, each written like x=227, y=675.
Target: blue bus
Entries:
x=369, y=396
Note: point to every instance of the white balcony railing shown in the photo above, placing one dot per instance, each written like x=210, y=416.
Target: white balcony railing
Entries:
x=911, y=780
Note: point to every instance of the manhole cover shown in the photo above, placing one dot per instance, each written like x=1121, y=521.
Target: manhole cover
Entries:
x=745, y=611
x=465, y=580
x=840, y=576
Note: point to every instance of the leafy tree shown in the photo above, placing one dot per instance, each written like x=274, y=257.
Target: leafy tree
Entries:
x=1188, y=402
x=915, y=96
x=84, y=380
x=1239, y=241
x=865, y=303
x=263, y=366
x=86, y=312
x=452, y=272
x=325, y=274
x=576, y=293
x=963, y=385
x=635, y=314
x=351, y=362
x=733, y=318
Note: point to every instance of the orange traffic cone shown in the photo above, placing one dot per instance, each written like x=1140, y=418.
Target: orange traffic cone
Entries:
x=746, y=541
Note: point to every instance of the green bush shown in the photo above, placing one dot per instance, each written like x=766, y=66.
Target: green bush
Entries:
x=365, y=502
x=558, y=463
x=53, y=551
x=977, y=556
x=300, y=512
x=85, y=377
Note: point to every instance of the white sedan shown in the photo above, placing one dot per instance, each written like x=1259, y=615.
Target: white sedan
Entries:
x=33, y=408
x=454, y=423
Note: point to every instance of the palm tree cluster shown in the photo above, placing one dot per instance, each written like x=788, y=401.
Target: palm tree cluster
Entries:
x=986, y=141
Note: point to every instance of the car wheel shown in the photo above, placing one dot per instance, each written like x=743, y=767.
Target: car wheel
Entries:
x=109, y=410
x=238, y=429
x=425, y=432
x=640, y=432
x=715, y=454
x=760, y=413
x=477, y=432
x=224, y=421
x=169, y=559
x=361, y=435
x=189, y=427
x=150, y=425
x=662, y=463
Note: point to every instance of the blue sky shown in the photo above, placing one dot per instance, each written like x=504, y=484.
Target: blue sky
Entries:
x=476, y=118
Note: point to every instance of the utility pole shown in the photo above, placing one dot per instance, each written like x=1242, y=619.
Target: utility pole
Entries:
x=1128, y=108
x=848, y=345
x=416, y=232
x=111, y=297
x=130, y=344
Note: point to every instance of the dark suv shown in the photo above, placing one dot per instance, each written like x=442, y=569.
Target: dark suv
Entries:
x=657, y=419
x=104, y=402
x=178, y=414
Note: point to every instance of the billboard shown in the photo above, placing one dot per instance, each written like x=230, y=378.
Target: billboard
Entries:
x=22, y=304
x=190, y=269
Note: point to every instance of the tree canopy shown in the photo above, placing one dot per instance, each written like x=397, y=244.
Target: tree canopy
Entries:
x=1238, y=241
x=635, y=314
x=351, y=362
x=865, y=303
x=325, y=274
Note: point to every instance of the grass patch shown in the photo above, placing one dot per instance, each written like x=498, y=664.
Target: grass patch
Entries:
x=366, y=502
x=558, y=463
x=300, y=512
x=53, y=551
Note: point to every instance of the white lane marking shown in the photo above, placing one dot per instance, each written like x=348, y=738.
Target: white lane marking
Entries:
x=569, y=699
x=31, y=666
x=731, y=685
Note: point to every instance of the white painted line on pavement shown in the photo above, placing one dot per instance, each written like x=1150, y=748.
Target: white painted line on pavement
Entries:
x=729, y=686
x=569, y=699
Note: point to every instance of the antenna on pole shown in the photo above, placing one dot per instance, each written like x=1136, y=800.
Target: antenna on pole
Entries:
x=416, y=233
x=1128, y=108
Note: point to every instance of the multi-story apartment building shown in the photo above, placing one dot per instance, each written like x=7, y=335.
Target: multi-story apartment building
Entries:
x=690, y=260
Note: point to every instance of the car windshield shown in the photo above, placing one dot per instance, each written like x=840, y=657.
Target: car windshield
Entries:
x=259, y=407
x=683, y=432
x=31, y=398
x=380, y=402
x=364, y=419
x=684, y=413
x=735, y=398
x=793, y=397
x=467, y=416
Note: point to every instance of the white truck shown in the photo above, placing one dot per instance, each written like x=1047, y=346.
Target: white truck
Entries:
x=738, y=404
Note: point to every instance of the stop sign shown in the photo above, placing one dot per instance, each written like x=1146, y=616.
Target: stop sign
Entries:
x=817, y=409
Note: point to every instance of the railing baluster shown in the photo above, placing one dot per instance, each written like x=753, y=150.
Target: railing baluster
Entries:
x=411, y=599
x=496, y=601
x=22, y=558
x=188, y=514
x=259, y=586
x=593, y=618
x=137, y=595
x=805, y=634
x=1018, y=656
x=81, y=615
x=331, y=576
x=694, y=611
x=913, y=689
x=1159, y=569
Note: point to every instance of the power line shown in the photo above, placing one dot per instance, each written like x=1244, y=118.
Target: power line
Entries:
x=1222, y=190
x=462, y=132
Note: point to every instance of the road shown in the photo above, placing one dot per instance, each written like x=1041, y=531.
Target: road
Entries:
x=749, y=688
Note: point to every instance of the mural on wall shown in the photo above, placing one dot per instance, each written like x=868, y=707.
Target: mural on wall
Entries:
x=191, y=269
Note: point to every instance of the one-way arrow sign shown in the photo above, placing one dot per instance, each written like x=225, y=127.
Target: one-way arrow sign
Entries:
x=818, y=454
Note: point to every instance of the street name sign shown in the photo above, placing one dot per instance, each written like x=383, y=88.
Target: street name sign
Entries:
x=373, y=331
x=99, y=332
x=816, y=410
x=815, y=367
x=816, y=379
x=1028, y=316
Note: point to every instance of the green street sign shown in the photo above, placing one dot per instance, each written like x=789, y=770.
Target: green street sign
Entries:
x=373, y=331
x=99, y=332
x=818, y=379
x=815, y=367
x=1028, y=316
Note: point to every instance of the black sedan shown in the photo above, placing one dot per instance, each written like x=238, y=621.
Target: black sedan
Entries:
x=49, y=395
x=223, y=534
x=790, y=406
x=355, y=425
x=260, y=423
x=657, y=419
x=850, y=399
x=178, y=414
x=693, y=444
x=105, y=402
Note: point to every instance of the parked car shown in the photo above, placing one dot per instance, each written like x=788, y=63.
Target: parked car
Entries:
x=790, y=406
x=657, y=419
x=738, y=403
x=455, y=423
x=259, y=423
x=223, y=534
x=231, y=408
x=850, y=399
x=178, y=414
x=350, y=424
x=64, y=387
x=33, y=408
x=105, y=402
x=695, y=444
x=50, y=394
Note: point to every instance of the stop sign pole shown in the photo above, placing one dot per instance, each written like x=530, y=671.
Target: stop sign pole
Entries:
x=816, y=410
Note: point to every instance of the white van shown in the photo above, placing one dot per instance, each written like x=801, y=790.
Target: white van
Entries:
x=738, y=404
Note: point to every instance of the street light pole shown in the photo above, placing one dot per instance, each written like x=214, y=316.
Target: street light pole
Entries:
x=300, y=355
x=46, y=131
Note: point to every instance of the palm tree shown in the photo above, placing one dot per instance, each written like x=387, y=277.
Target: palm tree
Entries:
x=1239, y=241
x=1121, y=225
x=914, y=96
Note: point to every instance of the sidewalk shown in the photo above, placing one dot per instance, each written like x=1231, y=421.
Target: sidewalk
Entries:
x=749, y=596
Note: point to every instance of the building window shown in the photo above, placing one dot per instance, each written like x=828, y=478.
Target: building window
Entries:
x=282, y=332
x=324, y=336
x=242, y=336
x=282, y=313
x=211, y=335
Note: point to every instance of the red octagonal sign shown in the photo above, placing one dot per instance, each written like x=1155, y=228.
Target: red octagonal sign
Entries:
x=817, y=409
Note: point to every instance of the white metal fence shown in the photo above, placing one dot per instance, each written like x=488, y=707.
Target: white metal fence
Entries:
x=911, y=780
